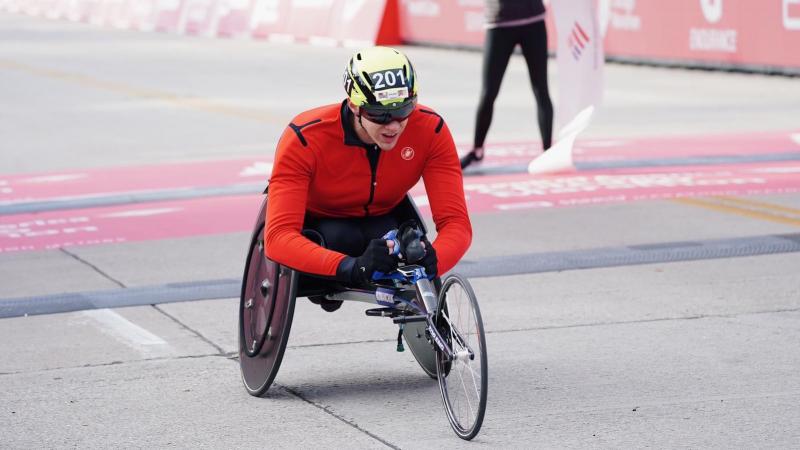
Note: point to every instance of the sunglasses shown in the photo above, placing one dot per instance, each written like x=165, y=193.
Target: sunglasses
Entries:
x=383, y=115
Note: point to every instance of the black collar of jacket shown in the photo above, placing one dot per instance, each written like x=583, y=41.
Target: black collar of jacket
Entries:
x=350, y=135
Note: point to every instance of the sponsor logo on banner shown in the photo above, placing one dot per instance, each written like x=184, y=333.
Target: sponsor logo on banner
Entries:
x=712, y=39
x=619, y=15
x=577, y=40
x=791, y=14
x=712, y=10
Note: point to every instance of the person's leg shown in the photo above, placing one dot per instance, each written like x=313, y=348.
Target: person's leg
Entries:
x=348, y=236
x=375, y=227
x=534, y=47
x=497, y=51
x=341, y=235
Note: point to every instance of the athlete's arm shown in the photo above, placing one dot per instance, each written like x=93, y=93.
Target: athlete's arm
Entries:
x=286, y=208
x=445, y=188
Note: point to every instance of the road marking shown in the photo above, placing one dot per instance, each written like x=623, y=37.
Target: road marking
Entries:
x=197, y=104
x=142, y=212
x=54, y=178
x=127, y=332
x=785, y=169
x=763, y=205
x=719, y=204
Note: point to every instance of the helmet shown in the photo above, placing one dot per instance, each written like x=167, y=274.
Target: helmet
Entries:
x=382, y=82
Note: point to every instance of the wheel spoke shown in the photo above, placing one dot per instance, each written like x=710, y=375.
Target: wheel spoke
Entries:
x=465, y=395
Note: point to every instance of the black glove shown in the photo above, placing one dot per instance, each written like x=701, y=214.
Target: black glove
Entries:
x=429, y=261
x=376, y=258
x=409, y=237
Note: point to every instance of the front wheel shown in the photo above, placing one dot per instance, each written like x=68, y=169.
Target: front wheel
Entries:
x=463, y=381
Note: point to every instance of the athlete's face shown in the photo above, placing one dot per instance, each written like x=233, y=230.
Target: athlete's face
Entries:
x=385, y=136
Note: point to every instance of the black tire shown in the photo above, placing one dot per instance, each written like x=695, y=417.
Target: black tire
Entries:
x=266, y=308
x=463, y=382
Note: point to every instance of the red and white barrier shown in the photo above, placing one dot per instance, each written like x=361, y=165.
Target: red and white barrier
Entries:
x=323, y=22
x=732, y=33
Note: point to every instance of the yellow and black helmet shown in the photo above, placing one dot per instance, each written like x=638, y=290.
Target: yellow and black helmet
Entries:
x=380, y=77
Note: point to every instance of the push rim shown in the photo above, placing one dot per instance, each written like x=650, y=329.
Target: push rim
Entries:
x=266, y=309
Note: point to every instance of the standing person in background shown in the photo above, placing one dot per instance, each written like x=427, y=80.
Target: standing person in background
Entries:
x=508, y=23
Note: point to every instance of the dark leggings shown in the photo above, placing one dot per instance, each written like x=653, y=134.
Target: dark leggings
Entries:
x=500, y=44
x=351, y=236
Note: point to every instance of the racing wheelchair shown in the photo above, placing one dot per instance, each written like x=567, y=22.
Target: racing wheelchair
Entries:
x=439, y=321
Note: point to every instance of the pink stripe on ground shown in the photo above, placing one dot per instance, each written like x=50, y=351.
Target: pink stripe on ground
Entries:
x=188, y=175
x=207, y=216
x=138, y=222
x=516, y=192
x=80, y=183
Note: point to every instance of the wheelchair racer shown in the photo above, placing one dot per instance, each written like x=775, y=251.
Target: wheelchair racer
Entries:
x=342, y=171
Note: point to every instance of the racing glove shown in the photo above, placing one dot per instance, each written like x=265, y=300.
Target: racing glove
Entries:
x=376, y=258
x=429, y=261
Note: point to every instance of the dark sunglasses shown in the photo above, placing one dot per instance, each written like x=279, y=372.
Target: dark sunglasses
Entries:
x=383, y=115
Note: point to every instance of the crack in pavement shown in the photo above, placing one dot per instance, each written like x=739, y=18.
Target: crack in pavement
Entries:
x=92, y=266
x=328, y=410
x=208, y=341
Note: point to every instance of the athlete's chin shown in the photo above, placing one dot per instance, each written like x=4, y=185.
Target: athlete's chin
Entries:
x=387, y=144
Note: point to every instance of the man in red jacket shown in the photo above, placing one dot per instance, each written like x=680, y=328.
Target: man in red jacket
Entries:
x=343, y=170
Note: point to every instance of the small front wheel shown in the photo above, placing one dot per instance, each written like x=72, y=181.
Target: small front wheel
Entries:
x=463, y=380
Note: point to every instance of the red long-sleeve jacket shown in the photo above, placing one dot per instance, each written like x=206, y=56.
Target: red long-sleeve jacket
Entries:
x=321, y=168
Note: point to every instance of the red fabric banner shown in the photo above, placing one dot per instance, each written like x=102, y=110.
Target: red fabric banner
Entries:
x=720, y=32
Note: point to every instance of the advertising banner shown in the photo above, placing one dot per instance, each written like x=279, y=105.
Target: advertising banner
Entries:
x=324, y=22
x=726, y=32
x=442, y=22
x=749, y=34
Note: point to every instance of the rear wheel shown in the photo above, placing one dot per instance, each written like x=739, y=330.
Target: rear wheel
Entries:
x=463, y=381
x=266, y=308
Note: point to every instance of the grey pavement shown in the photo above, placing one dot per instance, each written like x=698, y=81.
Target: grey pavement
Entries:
x=684, y=354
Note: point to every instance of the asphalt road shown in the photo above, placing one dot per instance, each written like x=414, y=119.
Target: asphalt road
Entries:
x=668, y=319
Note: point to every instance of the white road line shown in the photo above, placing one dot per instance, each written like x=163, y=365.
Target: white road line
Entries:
x=54, y=178
x=787, y=169
x=142, y=212
x=259, y=168
x=127, y=332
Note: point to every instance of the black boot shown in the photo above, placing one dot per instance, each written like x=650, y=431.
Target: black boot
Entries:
x=474, y=156
x=327, y=305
